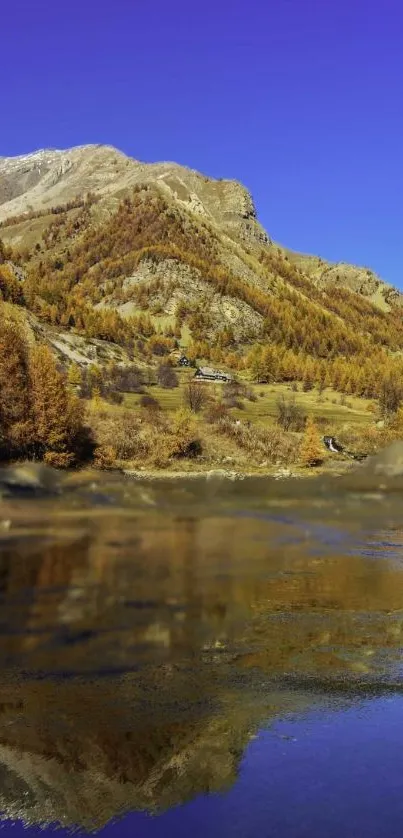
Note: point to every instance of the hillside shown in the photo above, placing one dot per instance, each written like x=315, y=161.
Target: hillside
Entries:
x=33, y=183
x=109, y=259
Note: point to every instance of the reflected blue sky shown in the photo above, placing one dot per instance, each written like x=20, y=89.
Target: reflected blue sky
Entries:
x=329, y=774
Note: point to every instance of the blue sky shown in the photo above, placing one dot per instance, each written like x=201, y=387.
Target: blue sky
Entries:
x=301, y=100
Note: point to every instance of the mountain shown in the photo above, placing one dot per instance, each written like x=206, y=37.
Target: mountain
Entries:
x=40, y=181
x=47, y=178
x=149, y=256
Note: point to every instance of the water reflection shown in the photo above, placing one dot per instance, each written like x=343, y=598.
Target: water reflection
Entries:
x=142, y=646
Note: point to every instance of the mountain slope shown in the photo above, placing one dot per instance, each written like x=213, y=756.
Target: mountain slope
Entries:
x=149, y=255
x=45, y=179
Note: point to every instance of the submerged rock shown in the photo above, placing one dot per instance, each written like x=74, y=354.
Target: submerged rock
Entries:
x=29, y=479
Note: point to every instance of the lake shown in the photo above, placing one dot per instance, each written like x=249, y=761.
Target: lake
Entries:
x=204, y=658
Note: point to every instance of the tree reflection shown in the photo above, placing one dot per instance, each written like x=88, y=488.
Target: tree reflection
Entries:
x=140, y=652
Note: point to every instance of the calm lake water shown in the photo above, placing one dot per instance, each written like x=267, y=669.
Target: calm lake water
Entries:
x=202, y=658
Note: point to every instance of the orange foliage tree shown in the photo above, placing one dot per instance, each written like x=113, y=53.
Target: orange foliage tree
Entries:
x=311, y=451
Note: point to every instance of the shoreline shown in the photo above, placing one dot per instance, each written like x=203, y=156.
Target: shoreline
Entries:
x=33, y=476
x=280, y=473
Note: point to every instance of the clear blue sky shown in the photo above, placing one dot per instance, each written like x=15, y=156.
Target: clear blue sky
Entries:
x=301, y=100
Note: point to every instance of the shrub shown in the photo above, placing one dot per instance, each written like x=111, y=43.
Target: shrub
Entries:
x=172, y=440
x=232, y=401
x=195, y=396
x=118, y=433
x=104, y=457
x=233, y=394
x=126, y=439
x=322, y=422
x=58, y=459
x=390, y=396
x=110, y=382
x=216, y=411
x=115, y=397
x=307, y=384
x=166, y=376
x=271, y=444
x=160, y=345
x=127, y=379
x=150, y=403
x=290, y=415
x=184, y=441
x=360, y=439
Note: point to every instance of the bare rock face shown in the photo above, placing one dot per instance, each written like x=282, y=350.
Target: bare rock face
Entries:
x=360, y=280
x=47, y=178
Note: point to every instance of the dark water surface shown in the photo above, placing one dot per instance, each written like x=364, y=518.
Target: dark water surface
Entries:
x=202, y=658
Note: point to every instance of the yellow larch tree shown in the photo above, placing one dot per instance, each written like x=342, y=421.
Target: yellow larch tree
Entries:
x=311, y=451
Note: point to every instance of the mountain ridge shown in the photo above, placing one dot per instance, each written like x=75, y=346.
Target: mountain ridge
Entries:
x=41, y=179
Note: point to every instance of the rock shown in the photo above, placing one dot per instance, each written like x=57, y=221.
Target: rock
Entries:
x=388, y=462
x=282, y=472
x=29, y=479
x=221, y=474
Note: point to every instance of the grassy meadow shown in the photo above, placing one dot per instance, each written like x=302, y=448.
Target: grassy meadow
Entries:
x=329, y=405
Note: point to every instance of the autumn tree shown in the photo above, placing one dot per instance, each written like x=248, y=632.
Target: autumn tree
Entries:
x=74, y=376
x=91, y=381
x=57, y=416
x=390, y=396
x=311, y=451
x=309, y=378
x=160, y=345
x=196, y=396
x=256, y=365
x=10, y=286
x=15, y=424
x=289, y=414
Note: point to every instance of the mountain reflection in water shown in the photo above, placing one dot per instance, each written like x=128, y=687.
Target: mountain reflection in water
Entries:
x=148, y=632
